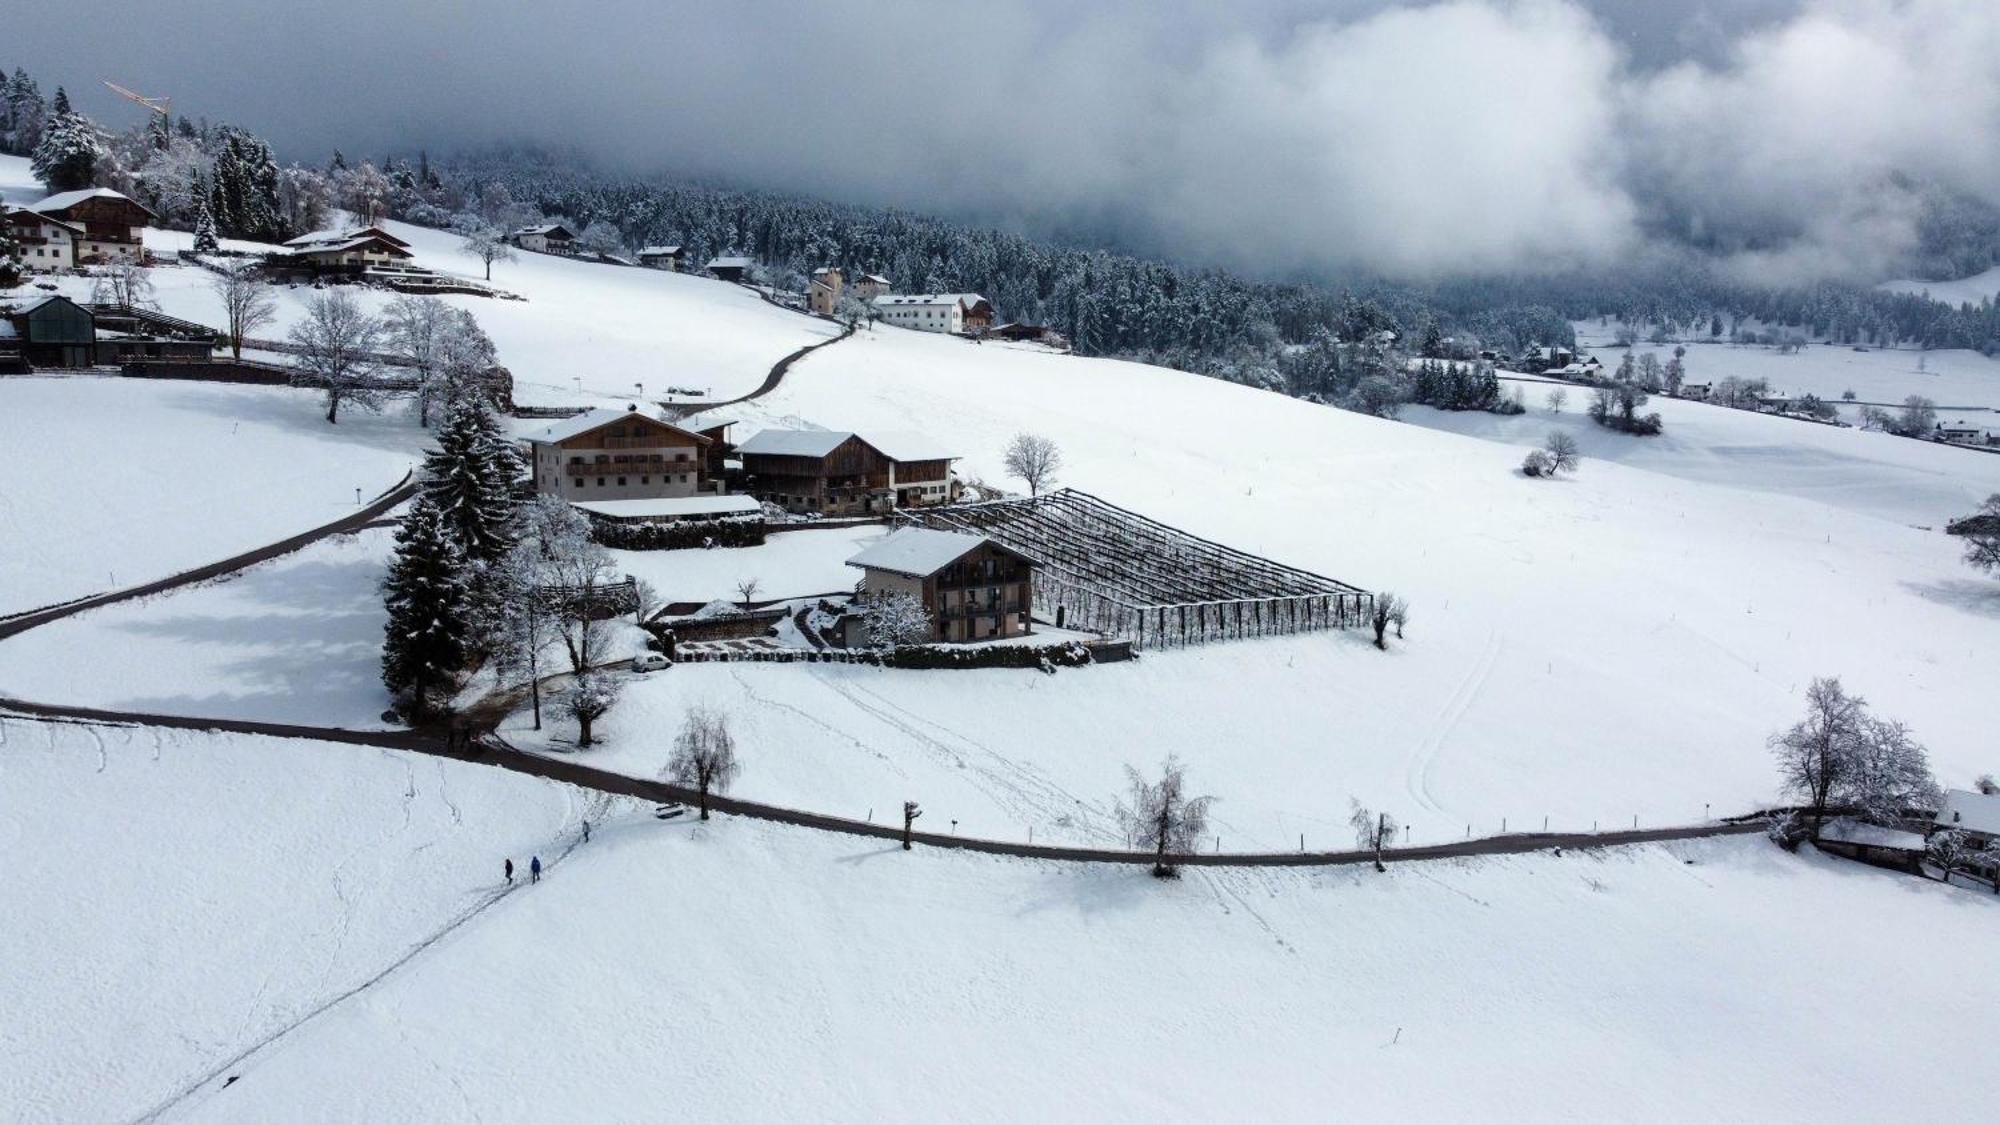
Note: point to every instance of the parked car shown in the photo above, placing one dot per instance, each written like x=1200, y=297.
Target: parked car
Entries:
x=650, y=662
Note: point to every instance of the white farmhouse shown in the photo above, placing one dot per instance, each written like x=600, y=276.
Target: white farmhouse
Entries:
x=44, y=243
x=936, y=312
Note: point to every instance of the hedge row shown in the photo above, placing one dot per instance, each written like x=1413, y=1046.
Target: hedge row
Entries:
x=677, y=536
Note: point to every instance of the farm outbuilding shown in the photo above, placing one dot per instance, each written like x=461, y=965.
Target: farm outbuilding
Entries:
x=1104, y=568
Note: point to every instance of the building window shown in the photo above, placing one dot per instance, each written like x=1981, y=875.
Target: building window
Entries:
x=600, y=482
x=577, y=483
x=645, y=480
x=621, y=482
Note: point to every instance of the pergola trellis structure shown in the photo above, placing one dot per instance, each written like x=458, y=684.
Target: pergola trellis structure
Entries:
x=1102, y=567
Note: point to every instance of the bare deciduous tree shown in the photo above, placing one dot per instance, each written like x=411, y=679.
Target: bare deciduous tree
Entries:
x=414, y=329
x=555, y=553
x=336, y=343
x=1033, y=458
x=1556, y=400
x=247, y=304
x=747, y=590
x=1372, y=830
x=125, y=284
x=1562, y=451
x=704, y=754
x=1840, y=754
x=489, y=246
x=1159, y=816
x=1389, y=609
x=1981, y=532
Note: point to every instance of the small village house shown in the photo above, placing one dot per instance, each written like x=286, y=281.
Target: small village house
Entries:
x=869, y=286
x=730, y=267
x=673, y=259
x=114, y=226
x=839, y=473
x=823, y=292
x=46, y=244
x=1964, y=431
x=972, y=588
x=618, y=455
x=1873, y=844
x=548, y=238
x=1975, y=814
x=956, y=313
x=351, y=249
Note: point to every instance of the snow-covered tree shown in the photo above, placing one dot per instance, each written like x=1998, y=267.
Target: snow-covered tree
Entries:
x=586, y=701
x=567, y=566
x=247, y=303
x=602, y=238
x=1557, y=398
x=205, y=241
x=522, y=623
x=1388, y=609
x=364, y=191
x=1676, y=373
x=414, y=329
x=1372, y=831
x=470, y=477
x=1839, y=754
x=336, y=345
x=1949, y=850
x=897, y=618
x=305, y=199
x=10, y=258
x=70, y=147
x=704, y=754
x=1034, y=459
x=125, y=284
x=425, y=641
x=1889, y=775
x=1650, y=377
x=1537, y=464
x=1917, y=418
x=1160, y=817
x=27, y=114
x=487, y=245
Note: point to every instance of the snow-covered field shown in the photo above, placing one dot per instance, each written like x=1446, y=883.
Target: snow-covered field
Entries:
x=738, y=971
x=1965, y=290
x=1950, y=378
x=294, y=640
x=789, y=564
x=110, y=482
x=174, y=898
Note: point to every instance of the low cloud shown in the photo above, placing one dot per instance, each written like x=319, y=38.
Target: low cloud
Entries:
x=1416, y=140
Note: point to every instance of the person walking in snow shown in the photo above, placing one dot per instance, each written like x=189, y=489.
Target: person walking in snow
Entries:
x=535, y=870
x=586, y=832
x=510, y=871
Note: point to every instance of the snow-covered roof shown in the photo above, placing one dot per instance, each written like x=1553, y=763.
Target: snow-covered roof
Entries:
x=344, y=234
x=874, y=277
x=591, y=419
x=1974, y=812
x=31, y=306
x=67, y=199
x=545, y=229
x=678, y=507
x=794, y=443
x=659, y=251
x=917, y=551
x=731, y=262
x=1845, y=831
x=13, y=212
x=908, y=445
x=824, y=270
x=348, y=242
x=907, y=299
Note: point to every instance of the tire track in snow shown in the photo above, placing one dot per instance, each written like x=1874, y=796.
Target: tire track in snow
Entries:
x=1422, y=776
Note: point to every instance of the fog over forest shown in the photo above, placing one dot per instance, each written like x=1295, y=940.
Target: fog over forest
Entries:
x=1799, y=138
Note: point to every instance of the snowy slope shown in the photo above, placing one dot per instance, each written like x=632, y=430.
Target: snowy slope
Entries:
x=174, y=898
x=111, y=482
x=1965, y=290
x=1951, y=377
x=743, y=972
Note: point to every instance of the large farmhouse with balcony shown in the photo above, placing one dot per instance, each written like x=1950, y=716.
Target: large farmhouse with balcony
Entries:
x=114, y=226
x=351, y=249
x=548, y=238
x=44, y=243
x=957, y=313
x=833, y=472
x=972, y=588
x=670, y=258
x=619, y=455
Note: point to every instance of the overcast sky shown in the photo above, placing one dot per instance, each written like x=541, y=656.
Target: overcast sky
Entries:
x=1410, y=138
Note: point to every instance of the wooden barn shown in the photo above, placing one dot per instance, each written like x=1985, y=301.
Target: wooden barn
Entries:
x=114, y=226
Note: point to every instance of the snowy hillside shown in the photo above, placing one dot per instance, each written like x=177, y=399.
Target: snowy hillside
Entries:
x=736, y=971
x=1965, y=290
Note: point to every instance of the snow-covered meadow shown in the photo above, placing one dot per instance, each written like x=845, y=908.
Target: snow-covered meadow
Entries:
x=739, y=971
x=111, y=482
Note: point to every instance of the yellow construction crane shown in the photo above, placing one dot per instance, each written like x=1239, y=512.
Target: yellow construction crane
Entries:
x=164, y=106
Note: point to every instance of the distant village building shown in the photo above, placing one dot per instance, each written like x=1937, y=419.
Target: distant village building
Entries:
x=1975, y=814
x=1696, y=390
x=1964, y=431
x=670, y=258
x=548, y=238
x=957, y=313
x=45, y=243
x=1873, y=844
x=114, y=227
x=823, y=292
x=731, y=267
x=972, y=588
x=838, y=473
x=618, y=455
x=351, y=249
x=869, y=286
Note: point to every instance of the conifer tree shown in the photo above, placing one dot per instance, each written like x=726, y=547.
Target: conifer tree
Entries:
x=469, y=477
x=204, y=230
x=66, y=159
x=426, y=592
x=10, y=258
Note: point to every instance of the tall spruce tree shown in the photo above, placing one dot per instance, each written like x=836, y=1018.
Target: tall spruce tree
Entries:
x=66, y=159
x=427, y=594
x=470, y=479
x=204, y=229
